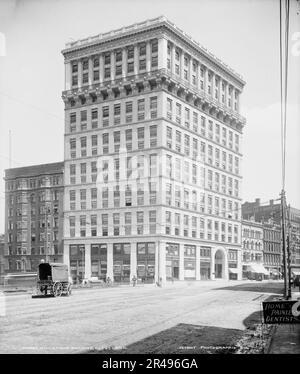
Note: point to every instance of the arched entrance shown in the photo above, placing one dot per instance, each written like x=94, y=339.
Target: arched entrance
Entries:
x=219, y=264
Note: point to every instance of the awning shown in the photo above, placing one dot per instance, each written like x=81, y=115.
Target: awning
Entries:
x=274, y=271
x=296, y=272
x=233, y=270
x=258, y=268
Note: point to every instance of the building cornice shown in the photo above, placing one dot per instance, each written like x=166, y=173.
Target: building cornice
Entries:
x=148, y=29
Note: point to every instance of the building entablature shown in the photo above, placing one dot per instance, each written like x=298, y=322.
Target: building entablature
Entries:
x=147, y=82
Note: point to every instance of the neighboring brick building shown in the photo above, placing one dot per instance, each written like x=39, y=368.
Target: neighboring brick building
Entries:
x=33, y=216
x=152, y=157
x=1, y=257
x=252, y=253
x=272, y=211
x=272, y=249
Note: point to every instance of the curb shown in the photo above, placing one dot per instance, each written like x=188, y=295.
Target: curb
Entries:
x=269, y=342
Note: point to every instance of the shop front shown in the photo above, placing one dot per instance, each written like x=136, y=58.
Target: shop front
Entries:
x=205, y=263
x=232, y=264
x=233, y=271
x=190, y=262
x=172, y=261
x=275, y=274
x=256, y=271
x=121, y=262
x=146, y=262
x=77, y=262
x=99, y=261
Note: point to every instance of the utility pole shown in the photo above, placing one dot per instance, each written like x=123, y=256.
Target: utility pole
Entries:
x=289, y=236
x=284, y=251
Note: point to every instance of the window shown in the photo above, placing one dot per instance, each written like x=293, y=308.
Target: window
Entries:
x=154, y=61
x=169, y=108
x=130, y=52
x=105, y=111
x=142, y=49
x=130, y=67
x=142, y=64
x=117, y=109
x=74, y=67
x=153, y=135
x=178, y=113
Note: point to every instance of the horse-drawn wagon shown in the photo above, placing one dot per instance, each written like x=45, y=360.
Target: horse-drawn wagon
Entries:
x=53, y=280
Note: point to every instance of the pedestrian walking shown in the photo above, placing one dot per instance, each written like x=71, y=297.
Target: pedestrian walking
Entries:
x=108, y=281
x=134, y=279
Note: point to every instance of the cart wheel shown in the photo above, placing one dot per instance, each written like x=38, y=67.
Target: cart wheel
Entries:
x=57, y=289
x=69, y=289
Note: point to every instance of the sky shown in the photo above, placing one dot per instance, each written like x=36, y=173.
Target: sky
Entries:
x=242, y=33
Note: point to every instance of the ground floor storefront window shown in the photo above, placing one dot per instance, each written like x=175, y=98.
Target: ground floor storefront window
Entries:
x=172, y=261
x=232, y=271
x=189, y=262
x=121, y=261
x=205, y=262
x=99, y=261
x=77, y=262
x=232, y=264
x=146, y=262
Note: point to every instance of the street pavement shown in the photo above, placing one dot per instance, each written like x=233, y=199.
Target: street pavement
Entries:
x=286, y=338
x=116, y=317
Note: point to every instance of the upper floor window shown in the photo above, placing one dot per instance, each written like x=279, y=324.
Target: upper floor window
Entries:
x=142, y=49
x=107, y=58
x=74, y=67
x=130, y=52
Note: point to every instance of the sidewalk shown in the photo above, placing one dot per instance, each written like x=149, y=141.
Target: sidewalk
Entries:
x=286, y=338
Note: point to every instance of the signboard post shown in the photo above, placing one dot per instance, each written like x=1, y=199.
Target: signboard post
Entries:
x=281, y=312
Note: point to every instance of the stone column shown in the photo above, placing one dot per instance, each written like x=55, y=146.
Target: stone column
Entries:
x=228, y=96
x=198, y=275
x=205, y=80
x=190, y=73
x=213, y=85
x=79, y=74
x=87, y=261
x=136, y=59
x=101, y=68
x=66, y=255
x=181, y=68
x=199, y=77
x=133, y=260
x=124, y=62
x=162, y=262
x=90, y=71
x=68, y=75
x=173, y=58
x=226, y=271
x=237, y=101
x=156, y=274
x=212, y=264
x=148, y=56
x=112, y=66
x=239, y=265
x=162, y=53
x=110, y=261
x=181, y=261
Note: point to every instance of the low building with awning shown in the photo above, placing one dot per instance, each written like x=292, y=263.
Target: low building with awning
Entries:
x=296, y=272
x=257, y=268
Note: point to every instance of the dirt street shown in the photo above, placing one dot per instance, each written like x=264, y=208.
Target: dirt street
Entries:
x=116, y=317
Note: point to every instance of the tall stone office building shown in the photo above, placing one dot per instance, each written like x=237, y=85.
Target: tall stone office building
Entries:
x=152, y=157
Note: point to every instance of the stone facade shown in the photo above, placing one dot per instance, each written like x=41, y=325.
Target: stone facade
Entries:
x=152, y=157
